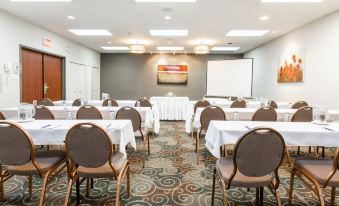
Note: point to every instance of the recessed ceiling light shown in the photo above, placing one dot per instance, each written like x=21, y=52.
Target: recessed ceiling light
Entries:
x=247, y=32
x=226, y=48
x=291, y=1
x=90, y=32
x=41, y=0
x=167, y=17
x=202, y=49
x=264, y=18
x=170, y=48
x=137, y=48
x=71, y=17
x=168, y=32
x=115, y=48
x=165, y=1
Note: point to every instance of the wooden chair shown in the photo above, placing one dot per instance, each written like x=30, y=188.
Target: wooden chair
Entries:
x=76, y=103
x=88, y=112
x=299, y=104
x=238, y=104
x=90, y=155
x=201, y=103
x=18, y=153
x=143, y=103
x=45, y=102
x=43, y=113
x=321, y=173
x=207, y=115
x=133, y=115
x=110, y=103
x=272, y=104
x=257, y=157
x=265, y=114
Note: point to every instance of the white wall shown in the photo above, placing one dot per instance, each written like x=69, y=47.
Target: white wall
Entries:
x=321, y=74
x=14, y=32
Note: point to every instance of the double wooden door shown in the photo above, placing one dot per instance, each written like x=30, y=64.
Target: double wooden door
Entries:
x=41, y=76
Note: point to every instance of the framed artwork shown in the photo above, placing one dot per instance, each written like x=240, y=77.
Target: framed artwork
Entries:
x=291, y=68
x=172, y=74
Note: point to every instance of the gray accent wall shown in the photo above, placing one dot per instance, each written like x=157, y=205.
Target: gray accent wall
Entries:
x=131, y=76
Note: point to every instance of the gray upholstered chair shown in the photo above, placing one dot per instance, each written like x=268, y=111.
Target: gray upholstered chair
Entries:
x=90, y=155
x=321, y=173
x=133, y=115
x=45, y=102
x=18, y=153
x=265, y=114
x=76, y=103
x=88, y=112
x=2, y=117
x=143, y=103
x=207, y=115
x=238, y=104
x=201, y=103
x=110, y=103
x=43, y=113
x=299, y=104
x=255, y=163
x=272, y=104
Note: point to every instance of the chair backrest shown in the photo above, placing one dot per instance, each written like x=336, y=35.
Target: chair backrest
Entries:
x=114, y=103
x=259, y=152
x=42, y=112
x=143, y=103
x=238, y=104
x=273, y=104
x=265, y=114
x=211, y=113
x=88, y=145
x=201, y=103
x=298, y=105
x=76, y=103
x=2, y=117
x=131, y=114
x=88, y=112
x=304, y=114
x=16, y=146
x=45, y=102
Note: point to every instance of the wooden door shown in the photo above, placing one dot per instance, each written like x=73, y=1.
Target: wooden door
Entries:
x=52, y=77
x=32, y=82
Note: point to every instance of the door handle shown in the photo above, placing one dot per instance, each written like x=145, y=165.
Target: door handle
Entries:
x=46, y=87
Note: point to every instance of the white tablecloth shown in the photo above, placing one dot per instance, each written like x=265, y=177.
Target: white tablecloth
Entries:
x=98, y=103
x=60, y=112
x=171, y=108
x=249, y=103
x=294, y=133
x=120, y=131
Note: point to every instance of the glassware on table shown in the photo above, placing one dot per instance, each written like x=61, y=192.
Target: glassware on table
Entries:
x=316, y=112
x=286, y=117
x=138, y=103
x=111, y=115
x=64, y=103
x=236, y=116
x=109, y=103
x=26, y=111
x=69, y=115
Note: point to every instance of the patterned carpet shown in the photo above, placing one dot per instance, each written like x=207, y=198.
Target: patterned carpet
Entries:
x=171, y=177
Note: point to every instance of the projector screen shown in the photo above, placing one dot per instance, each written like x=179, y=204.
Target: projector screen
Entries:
x=230, y=78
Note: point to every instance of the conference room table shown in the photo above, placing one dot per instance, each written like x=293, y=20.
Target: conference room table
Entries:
x=53, y=132
x=221, y=133
x=60, y=112
x=171, y=108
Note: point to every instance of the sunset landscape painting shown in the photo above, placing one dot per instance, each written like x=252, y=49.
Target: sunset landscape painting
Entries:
x=291, y=69
x=172, y=74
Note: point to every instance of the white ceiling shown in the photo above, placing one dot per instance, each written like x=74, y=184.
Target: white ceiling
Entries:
x=206, y=19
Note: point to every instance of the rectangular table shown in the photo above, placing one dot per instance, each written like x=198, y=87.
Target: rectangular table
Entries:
x=245, y=114
x=294, y=133
x=120, y=131
x=150, y=120
x=171, y=108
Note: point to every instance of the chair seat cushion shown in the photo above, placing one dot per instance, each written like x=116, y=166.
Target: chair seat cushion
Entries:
x=319, y=169
x=225, y=166
x=44, y=159
x=119, y=161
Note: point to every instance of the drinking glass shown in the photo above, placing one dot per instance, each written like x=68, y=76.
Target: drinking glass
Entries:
x=286, y=117
x=235, y=116
x=111, y=115
x=69, y=115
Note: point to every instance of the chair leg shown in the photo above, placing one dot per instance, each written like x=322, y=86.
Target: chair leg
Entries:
x=323, y=152
x=117, y=199
x=291, y=187
x=92, y=183
x=77, y=191
x=288, y=157
x=298, y=151
x=2, y=192
x=87, y=186
x=257, y=197
x=261, y=195
x=30, y=185
x=69, y=191
x=143, y=154
x=149, y=148
x=44, y=187
x=128, y=181
x=333, y=196
x=213, y=187
x=197, y=145
x=320, y=194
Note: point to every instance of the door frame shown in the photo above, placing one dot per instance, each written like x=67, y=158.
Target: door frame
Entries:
x=63, y=68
